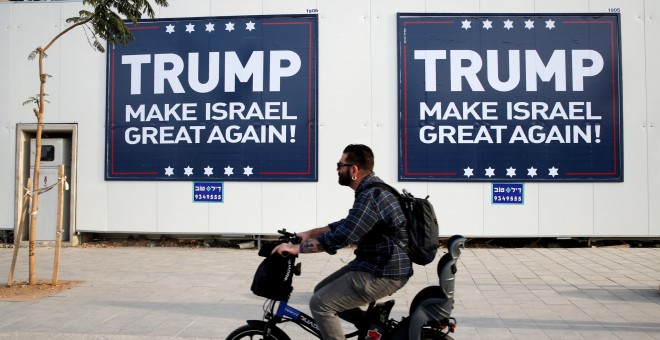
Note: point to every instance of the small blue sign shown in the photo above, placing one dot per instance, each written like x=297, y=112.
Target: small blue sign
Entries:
x=208, y=192
x=508, y=193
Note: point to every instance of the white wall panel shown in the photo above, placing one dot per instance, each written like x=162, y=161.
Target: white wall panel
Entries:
x=288, y=205
x=79, y=63
x=31, y=36
x=289, y=6
x=565, y=209
x=506, y=6
x=631, y=197
x=511, y=220
x=384, y=103
x=82, y=101
x=186, y=9
x=344, y=95
x=7, y=197
x=92, y=189
x=459, y=208
x=241, y=211
x=176, y=213
x=357, y=104
x=231, y=7
x=453, y=6
x=652, y=48
x=561, y=6
x=7, y=178
x=132, y=207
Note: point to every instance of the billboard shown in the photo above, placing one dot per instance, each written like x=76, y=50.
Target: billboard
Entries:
x=216, y=98
x=510, y=97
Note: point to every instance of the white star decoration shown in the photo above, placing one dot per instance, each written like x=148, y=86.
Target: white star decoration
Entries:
x=531, y=172
x=247, y=171
x=210, y=27
x=229, y=171
x=550, y=24
x=190, y=28
x=511, y=172
x=508, y=24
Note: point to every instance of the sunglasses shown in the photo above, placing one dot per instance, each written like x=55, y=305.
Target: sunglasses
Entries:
x=340, y=164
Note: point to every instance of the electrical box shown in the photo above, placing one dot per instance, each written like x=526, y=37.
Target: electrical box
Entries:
x=54, y=151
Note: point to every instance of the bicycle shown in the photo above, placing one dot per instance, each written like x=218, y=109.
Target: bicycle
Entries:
x=429, y=315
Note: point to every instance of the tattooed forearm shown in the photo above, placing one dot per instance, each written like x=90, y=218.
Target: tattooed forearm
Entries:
x=311, y=246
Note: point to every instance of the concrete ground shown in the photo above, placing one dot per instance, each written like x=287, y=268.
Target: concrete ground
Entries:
x=179, y=293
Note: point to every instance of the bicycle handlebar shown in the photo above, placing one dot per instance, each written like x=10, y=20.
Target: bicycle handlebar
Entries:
x=288, y=237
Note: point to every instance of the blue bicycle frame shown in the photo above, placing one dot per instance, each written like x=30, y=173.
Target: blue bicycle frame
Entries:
x=288, y=313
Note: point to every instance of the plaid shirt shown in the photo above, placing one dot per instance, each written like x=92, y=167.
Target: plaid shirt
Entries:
x=375, y=212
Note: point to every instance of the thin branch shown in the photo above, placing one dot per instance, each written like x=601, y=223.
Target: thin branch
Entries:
x=65, y=31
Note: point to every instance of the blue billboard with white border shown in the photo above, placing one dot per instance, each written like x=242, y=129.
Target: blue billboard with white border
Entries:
x=510, y=97
x=215, y=98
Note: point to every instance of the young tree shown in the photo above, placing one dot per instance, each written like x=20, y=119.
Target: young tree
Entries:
x=105, y=23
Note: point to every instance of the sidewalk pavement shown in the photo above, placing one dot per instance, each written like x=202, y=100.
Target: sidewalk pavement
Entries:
x=178, y=293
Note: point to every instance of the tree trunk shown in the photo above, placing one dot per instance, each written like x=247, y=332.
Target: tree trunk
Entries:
x=19, y=231
x=35, y=175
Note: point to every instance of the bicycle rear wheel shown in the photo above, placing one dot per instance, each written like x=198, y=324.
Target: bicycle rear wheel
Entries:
x=253, y=331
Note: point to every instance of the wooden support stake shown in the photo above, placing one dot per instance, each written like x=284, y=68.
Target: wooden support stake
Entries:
x=60, y=210
x=19, y=230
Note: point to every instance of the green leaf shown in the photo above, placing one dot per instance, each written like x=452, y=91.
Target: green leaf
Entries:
x=33, y=54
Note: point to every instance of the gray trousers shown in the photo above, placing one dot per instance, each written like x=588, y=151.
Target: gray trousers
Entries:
x=343, y=290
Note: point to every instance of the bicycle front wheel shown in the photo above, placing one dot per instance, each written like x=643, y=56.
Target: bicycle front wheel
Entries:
x=254, y=331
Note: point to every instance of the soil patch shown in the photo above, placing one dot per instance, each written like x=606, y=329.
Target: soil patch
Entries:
x=22, y=291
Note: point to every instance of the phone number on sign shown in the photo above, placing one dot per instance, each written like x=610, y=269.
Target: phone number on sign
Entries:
x=507, y=198
x=207, y=197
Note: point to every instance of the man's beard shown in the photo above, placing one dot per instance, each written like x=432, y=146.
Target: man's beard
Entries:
x=345, y=179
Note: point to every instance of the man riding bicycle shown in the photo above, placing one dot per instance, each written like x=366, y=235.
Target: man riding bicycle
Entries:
x=380, y=267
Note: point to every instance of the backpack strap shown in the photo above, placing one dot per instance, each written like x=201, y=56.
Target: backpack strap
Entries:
x=385, y=186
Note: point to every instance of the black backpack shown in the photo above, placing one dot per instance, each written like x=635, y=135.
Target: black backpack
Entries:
x=421, y=226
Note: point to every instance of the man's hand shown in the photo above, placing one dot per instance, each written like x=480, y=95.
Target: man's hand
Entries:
x=309, y=246
x=286, y=249
x=304, y=235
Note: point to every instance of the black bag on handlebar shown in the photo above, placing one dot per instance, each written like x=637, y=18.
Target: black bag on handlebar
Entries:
x=273, y=277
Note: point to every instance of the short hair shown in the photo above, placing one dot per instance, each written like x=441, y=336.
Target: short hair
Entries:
x=360, y=155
